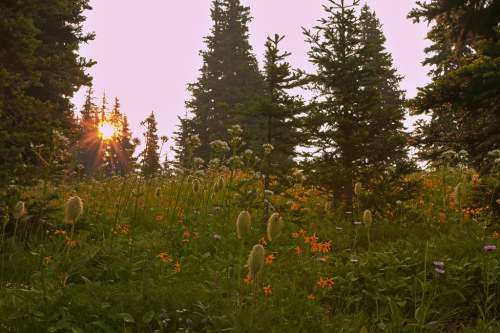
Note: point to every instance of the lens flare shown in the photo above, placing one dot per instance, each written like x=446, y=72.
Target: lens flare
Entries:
x=107, y=130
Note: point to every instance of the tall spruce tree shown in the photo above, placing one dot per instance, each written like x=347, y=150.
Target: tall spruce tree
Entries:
x=355, y=126
x=277, y=112
x=40, y=70
x=126, y=161
x=229, y=76
x=150, y=155
x=463, y=99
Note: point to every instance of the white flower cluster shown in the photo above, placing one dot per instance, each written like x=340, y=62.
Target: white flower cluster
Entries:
x=219, y=145
x=235, y=130
x=267, y=148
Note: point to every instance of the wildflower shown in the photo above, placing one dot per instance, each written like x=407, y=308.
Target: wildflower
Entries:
x=338, y=228
x=489, y=247
x=328, y=206
x=311, y=240
x=354, y=261
x=217, y=237
x=73, y=210
x=47, y=259
x=274, y=225
x=398, y=202
x=295, y=206
x=248, y=280
x=267, y=289
x=367, y=218
x=177, y=267
x=159, y=218
x=459, y=194
x=298, y=250
x=302, y=232
x=295, y=235
x=357, y=189
x=256, y=260
x=495, y=235
x=357, y=222
x=439, y=263
x=310, y=296
x=19, y=210
x=440, y=271
x=60, y=232
x=267, y=148
x=164, y=257
x=270, y=258
x=243, y=224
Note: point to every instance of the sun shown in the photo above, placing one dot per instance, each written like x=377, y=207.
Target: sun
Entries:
x=107, y=130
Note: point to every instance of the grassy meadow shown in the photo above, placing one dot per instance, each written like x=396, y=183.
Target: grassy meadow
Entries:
x=161, y=254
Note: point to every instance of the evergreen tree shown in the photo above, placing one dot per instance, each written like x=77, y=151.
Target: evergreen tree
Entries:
x=150, y=155
x=127, y=144
x=463, y=98
x=40, y=71
x=229, y=76
x=88, y=146
x=277, y=111
x=354, y=132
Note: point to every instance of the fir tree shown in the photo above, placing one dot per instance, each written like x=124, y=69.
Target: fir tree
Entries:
x=276, y=111
x=150, y=155
x=127, y=144
x=462, y=100
x=40, y=72
x=351, y=128
x=229, y=76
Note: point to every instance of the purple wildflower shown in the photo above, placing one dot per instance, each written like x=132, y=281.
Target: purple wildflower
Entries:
x=217, y=208
x=439, y=263
x=489, y=247
x=348, y=212
x=440, y=271
x=338, y=228
x=354, y=260
x=272, y=208
x=357, y=222
x=217, y=237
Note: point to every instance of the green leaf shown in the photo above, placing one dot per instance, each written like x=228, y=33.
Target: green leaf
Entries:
x=147, y=317
x=104, y=327
x=77, y=330
x=127, y=317
x=420, y=314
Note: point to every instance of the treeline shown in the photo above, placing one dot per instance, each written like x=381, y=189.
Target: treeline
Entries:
x=351, y=130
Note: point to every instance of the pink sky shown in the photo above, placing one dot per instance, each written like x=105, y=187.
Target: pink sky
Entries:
x=147, y=53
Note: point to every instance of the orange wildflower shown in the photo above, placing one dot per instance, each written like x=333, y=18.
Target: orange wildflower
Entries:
x=495, y=235
x=185, y=240
x=248, y=280
x=267, y=289
x=298, y=250
x=59, y=232
x=177, y=267
x=310, y=296
x=164, y=257
x=295, y=235
x=262, y=241
x=187, y=234
x=302, y=231
x=196, y=235
x=270, y=258
x=47, y=259
x=159, y=218
x=295, y=206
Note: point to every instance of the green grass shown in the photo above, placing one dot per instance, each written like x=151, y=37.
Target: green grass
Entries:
x=113, y=280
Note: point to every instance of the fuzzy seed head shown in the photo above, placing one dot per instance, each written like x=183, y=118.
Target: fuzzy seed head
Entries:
x=357, y=189
x=243, y=224
x=18, y=210
x=367, y=218
x=73, y=210
x=158, y=192
x=274, y=225
x=256, y=260
x=328, y=206
x=459, y=194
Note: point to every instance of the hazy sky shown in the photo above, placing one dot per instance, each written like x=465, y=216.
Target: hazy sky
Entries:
x=148, y=51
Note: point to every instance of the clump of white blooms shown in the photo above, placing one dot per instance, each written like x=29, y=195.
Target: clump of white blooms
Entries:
x=269, y=192
x=235, y=130
x=219, y=146
x=194, y=141
x=267, y=148
x=494, y=153
x=248, y=153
